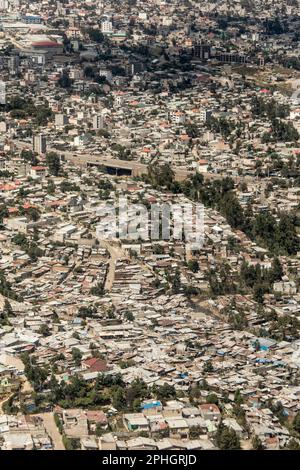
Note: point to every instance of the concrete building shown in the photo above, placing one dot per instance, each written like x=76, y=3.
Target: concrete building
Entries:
x=39, y=143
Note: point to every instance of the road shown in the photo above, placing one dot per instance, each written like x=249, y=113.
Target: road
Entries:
x=52, y=430
x=16, y=362
x=115, y=253
x=83, y=159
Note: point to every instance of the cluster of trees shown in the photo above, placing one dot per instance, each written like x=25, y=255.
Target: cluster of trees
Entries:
x=161, y=176
x=64, y=80
x=6, y=288
x=87, y=311
x=53, y=163
x=29, y=156
x=221, y=126
x=123, y=152
x=98, y=290
x=274, y=26
x=269, y=108
x=226, y=438
x=35, y=374
x=292, y=62
x=20, y=108
x=106, y=390
x=6, y=174
x=3, y=212
x=5, y=313
x=30, y=247
x=220, y=280
x=278, y=236
x=95, y=35
x=69, y=187
x=260, y=279
x=281, y=132
x=285, y=328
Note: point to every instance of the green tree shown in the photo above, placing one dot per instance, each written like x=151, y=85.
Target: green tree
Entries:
x=176, y=282
x=227, y=439
x=53, y=163
x=44, y=330
x=193, y=265
x=257, y=444
x=296, y=422
x=208, y=367
x=77, y=356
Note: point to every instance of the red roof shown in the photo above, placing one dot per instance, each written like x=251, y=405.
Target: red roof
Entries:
x=209, y=407
x=95, y=364
x=45, y=44
x=97, y=416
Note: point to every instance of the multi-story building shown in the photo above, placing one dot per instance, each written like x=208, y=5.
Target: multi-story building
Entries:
x=39, y=143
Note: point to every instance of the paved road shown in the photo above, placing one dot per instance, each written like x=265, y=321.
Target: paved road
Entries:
x=82, y=159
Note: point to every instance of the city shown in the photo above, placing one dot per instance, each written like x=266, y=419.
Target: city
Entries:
x=124, y=343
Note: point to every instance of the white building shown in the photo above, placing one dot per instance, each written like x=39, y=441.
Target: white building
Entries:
x=107, y=27
x=39, y=143
x=98, y=122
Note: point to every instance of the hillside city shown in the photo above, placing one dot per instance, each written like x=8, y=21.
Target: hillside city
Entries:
x=149, y=343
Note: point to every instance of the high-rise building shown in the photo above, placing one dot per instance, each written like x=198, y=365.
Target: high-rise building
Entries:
x=98, y=122
x=202, y=51
x=106, y=27
x=61, y=120
x=205, y=114
x=13, y=63
x=39, y=143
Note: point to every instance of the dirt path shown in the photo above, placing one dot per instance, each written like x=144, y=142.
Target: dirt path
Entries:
x=115, y=254
x=52, y=430
x=18, y=364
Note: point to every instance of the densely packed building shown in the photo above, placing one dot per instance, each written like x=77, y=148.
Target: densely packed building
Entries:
x=125, y=344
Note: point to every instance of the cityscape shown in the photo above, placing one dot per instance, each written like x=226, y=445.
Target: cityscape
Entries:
x=150, y=225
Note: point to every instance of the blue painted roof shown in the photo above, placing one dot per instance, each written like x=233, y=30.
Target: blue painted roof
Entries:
x=153, y=404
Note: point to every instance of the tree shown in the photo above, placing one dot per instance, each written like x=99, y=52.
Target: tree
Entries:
x=44, y=330
x=296, y=422
x=238, y=399
x=98, y=290
x=77, y=356
x=208, y=367
x=176, y=282
x=193, y=265
x=165, y=392
x=257, y=444
x=71, y=443
x=50, y=187
x=53, y=163
x=95, y=35
x=212, y=399
x=7, y=312
x=129, y=316
x=258, y=294
x=33, y=214
x=277, y=271
x=119, y=399
x=227, y=439
x=7, y=308
x=195, y=432
x=293, y=444
x=64, y=80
